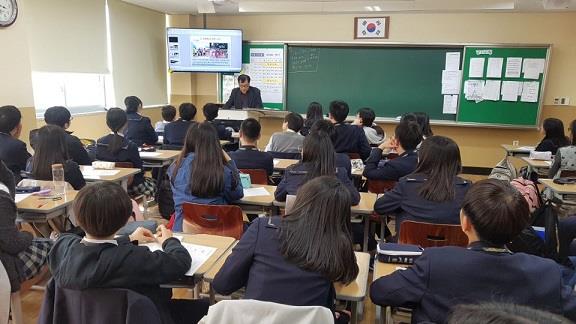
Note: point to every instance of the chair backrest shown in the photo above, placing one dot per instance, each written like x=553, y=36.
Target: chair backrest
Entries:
x=380, y=186
x=223, y=220
x=431, y=235
x=290, y=199
x=257, y=176
x=5, y=291
x=567, y=174
x=354, y=156
x=284, y=155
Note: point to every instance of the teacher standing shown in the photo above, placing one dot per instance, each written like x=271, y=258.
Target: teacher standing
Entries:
x=244, y=96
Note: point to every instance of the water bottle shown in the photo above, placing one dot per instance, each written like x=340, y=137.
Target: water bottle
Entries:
x=58, y=179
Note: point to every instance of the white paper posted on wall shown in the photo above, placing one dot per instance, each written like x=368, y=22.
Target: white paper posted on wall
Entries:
x=474, y=90
x=532, y=68
x=452, y=61
x=451, y=81
x=530, y=91
x=450, y=104
x=513, y=67
x=491, y=90
x=511, y=90
x=494, y=69
x=476, y=69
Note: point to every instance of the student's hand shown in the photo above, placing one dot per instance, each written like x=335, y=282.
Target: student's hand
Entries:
x=357, y=121
x=163, y=234
x=226, y=156
x=389, y=144
x=142, y=235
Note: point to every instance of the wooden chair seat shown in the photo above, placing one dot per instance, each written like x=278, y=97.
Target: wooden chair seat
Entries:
x=223, y=220
x=431, y=235
x=257, y=176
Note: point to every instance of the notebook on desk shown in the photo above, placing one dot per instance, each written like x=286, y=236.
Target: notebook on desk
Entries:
x=398, y=253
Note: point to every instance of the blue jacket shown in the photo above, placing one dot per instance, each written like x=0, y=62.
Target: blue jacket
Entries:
x=351, y=139
x=294, y=175
x=14, y=154
x=406, y=202
x=140, y=130
x=128, y=153
x=175, y=132
x=256, y=263
x=444, y=277
x=393, y=169
x=180, y=188
x=249, y=157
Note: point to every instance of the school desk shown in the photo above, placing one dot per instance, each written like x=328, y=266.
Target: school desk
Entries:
x=539, y=166
x=517, y=151
x=120, y=176
x=282, y=164
x=565, y=191
x=264, y=202
x=39, y=209
x=381, y=269
x=158, y=158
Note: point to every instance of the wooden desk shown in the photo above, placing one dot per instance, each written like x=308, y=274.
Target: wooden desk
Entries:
x=264, y=201
x=541, y=167
x=121, y=177
x=356, y=290
x=517, y=151
x=159, y=158
x=566, y=191
x=382, y=269
x=283, y=164
x=33, y=209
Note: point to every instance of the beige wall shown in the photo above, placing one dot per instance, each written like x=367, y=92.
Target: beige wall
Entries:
x=479, y=146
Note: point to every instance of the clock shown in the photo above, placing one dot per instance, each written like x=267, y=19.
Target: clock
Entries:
x=8, y=12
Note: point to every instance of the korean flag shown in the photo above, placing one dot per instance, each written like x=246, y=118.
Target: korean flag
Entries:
x=371, y=28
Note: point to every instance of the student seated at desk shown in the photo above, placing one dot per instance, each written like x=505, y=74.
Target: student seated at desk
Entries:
x=248, y=156
x=289, y=140
x=317, y=160
x=351, y=138
x=313, y=114
x=295, y=260
x=408, y=136
x=565, y=158
x=365, y=119
x=342, y=160
x=51, y=149
x=139, y=130
x=175, y=132
x=493, y=214
x=61, y=117
x=12, y=150
x=423, y=120
x=554, y=137
x=203, y=173
x=22, y=255
x=210, y=111
x=434, y=192
x=168, y=116
x=116, y=147
x=100, y=260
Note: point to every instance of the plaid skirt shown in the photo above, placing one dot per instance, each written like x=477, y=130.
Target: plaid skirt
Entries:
x=35, y=257
x=147, y=188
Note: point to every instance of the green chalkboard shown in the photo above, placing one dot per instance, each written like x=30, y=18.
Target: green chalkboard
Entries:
x=390, y=80
x=515, y=113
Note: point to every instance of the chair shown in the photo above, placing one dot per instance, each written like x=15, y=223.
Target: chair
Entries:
x=568, y=174
x=223, y=220
x=87, y=142
x=380, y=186
x=354, y=156
x=431, y=235
x=10, y=302
x=284, y=155
x=257, y=176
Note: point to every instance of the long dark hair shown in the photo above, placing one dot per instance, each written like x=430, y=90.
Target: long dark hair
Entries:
x=50, y=149
x=573, y=131
x=316, y=234
x=439, y=160
x=314, y=112
x=423, y=120
x=319, y=155
x=116, y=119
x=554, y=129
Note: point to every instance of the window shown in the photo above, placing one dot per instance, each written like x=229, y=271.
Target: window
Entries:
x=79, y=92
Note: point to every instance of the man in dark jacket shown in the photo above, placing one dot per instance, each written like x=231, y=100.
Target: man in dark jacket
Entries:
x=244, y=96
x=61, y=117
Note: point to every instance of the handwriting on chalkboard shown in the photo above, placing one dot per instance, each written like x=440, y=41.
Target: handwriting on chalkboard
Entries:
x=303, y=59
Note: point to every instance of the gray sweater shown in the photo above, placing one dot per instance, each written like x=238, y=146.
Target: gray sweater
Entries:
x=287, y=142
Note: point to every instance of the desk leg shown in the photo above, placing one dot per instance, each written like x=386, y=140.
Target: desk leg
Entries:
x=212, y=295
x=366, y=232
x=354, y=317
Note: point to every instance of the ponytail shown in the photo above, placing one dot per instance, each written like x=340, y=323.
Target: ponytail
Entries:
x=116, y=120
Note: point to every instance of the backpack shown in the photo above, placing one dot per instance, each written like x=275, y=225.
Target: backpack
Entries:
x=165, y=198
x=504, y=171
x=530, y=192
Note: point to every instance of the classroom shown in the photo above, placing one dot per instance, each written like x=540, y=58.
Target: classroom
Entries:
x=441, y=118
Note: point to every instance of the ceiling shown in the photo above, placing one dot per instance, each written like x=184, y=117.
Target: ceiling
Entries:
x=351, y=6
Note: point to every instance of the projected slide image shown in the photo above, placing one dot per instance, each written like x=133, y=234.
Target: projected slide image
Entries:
x=210, y=51
x=173, y=50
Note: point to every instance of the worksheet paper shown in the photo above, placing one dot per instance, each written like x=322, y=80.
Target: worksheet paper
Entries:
x=532, y=68
x=495, y=67
x=199, y=254
x=452, y=61
x=510, y=90
x=450, y=104
x=451, y=82
x=149, y=154
x=276, y=161
x=530, y=91
x=20, y=197
x=90, y=173
x=491, y=90
x=476, y=69
x=473, y=90
x=513, y=67
x=255, y=192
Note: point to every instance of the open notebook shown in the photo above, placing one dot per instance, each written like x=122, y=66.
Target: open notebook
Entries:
x=199, y=254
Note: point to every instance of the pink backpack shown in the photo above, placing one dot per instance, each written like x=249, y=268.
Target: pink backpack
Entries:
x=530, y=192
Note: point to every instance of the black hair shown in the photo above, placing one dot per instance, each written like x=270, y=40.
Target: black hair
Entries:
x=423, y=120
x=439, y=160
x=554, y=129
x=57, y=115
x=250, y=128
x=210, y=111
x=168, y=113
x=187, y=111
x=409, y=135
x=295, y=121
x=326, y=127
x=314, y=111
x=367, y=115
x=318, y=153
x=243, y=78
x=10, y=118
x=132, y=104
x=102, y=208
x=573, y=131
x=7, y=178
x=498, y=212
x=50, y=148
x=339, y=110
x=409, y=117
x=116, y=119
x=320, y=218
x=503, y=313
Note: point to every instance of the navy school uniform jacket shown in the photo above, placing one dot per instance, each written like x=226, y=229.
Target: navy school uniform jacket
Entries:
x=294, y=175
x=223, y=133
x=405, y=201
x=390, y=169
x=351, y=139
x=257, y=264
x=128, y=153
x=14, y=154
x=77, y=151
x=72, y=173
x=175, y=132
x=447, y=276
x=343, y=161
x=140, y=130
x=249, y=157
